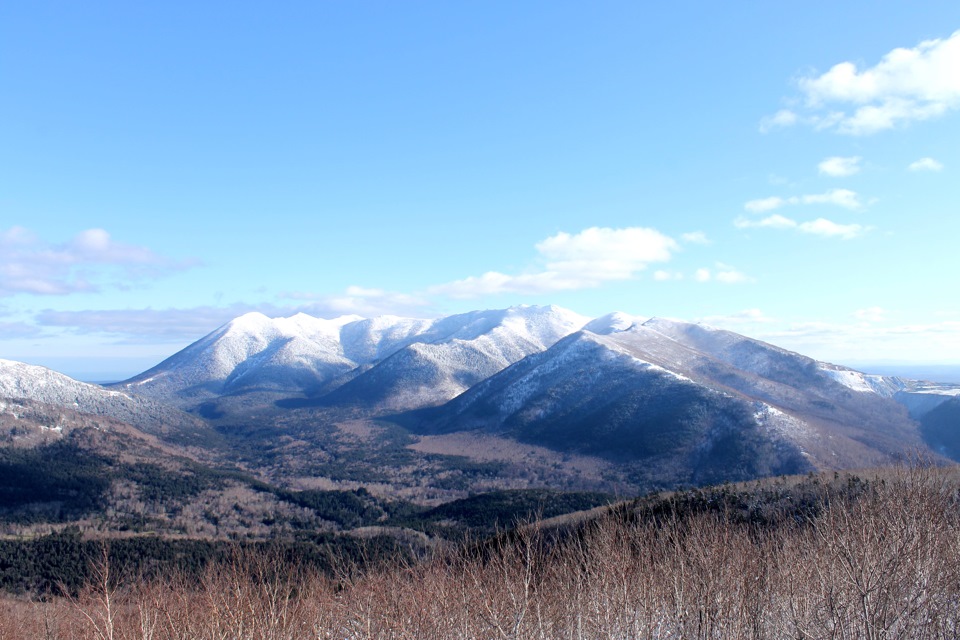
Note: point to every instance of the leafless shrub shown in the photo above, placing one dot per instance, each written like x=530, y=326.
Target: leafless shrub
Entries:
x=880, y=562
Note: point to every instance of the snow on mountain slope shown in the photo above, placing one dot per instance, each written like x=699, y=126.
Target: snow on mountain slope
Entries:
x=455, y=353
x=636, y=376
x=582, y=357
x=885, y=386
x=23, y=381
x=306, y=355
x=613, y=322
x=831, y=400
x=251, y=351
x=389, y=364
x=370, y=340
x=737, y=350
x=589, y=395
x=769, y=361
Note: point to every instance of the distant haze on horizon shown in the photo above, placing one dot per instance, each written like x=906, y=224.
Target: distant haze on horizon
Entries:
x=784, y=172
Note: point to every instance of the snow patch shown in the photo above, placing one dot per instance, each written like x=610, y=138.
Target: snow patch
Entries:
x=861, y=382
x=781, y=423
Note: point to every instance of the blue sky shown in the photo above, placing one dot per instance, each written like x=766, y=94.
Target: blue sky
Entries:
x=785, y=170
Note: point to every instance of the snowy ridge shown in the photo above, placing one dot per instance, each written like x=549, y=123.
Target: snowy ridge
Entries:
x=581, y=347
x=301, y=354
x=21, y=381
x=613, y=323
x=862, y=382
x=389, y=364
x=453, y=354
x=668, y=386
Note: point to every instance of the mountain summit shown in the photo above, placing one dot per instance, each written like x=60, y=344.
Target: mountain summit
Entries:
x=394, y=362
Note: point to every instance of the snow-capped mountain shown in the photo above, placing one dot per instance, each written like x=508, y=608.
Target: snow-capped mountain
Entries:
x=686, y=400
x=21, y=381
x=394, y=362
x=455, y=353
x=250, y=352
x=673, y=402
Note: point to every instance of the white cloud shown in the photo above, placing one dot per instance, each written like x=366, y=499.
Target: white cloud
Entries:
x=360, y=301
x=907, y=85
x=662, y=275
x=30, y=265
x=764, y=204
x=925, y=164
x=695, y=237
x=782, y=118
x=574, y=261
x=819, y=227
x=871, y=314
x=827, y=228
x=839, y=167
x=838, y=197
x=722, y=273
x=730, y=275
x=775, y=221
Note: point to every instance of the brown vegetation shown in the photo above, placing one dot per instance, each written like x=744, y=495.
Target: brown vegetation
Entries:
x=879, y=562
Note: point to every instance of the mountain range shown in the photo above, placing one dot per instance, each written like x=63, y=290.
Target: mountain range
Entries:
x=398, y=363
x=515, y=397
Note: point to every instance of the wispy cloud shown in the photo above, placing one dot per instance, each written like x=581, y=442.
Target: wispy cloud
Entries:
x=925, y=164
x=782, y=118
x=843, y=198
x=819, y=227
x=171, y=325
x=722, y=273
x=662, y=275
x=838, y=197
x=858, y=339
x=696, y=237
x=839, y=167
x=830, y=229
x=907, y=85
x=30, y=265
x=362, y=301
x=775, y=221
x=871, y=314
x=145, y=325
x=762, y=205
x=739, y=319
x=573, y=261
x=10, y=330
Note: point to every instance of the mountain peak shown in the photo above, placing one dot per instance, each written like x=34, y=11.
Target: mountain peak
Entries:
x=249, y=323
x=613, y=323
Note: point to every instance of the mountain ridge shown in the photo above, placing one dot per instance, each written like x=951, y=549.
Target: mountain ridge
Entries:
x=302, y=354
x=653, y=401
